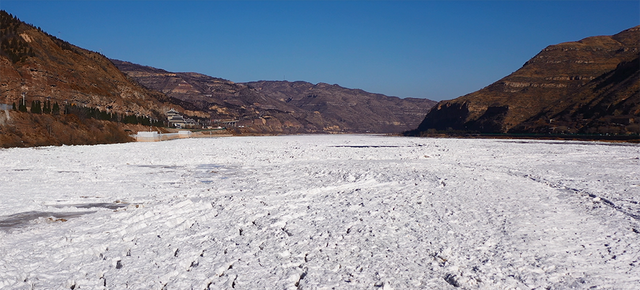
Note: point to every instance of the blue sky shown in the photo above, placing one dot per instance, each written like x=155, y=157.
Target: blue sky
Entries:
x=428, y=49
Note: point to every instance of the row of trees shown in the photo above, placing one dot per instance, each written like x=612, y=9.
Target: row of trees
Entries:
x=83, y=112
x=94, y=113
x=38, y=107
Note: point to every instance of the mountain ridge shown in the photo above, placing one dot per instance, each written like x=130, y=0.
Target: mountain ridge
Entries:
x=283, y=107
x=560, y=77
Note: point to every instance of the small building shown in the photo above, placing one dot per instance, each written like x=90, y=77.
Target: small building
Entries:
x=172, y=113
x=178, y=121
x=190, y=122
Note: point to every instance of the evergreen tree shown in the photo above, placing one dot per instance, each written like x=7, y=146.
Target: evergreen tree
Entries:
x=46, y=109
x=22, y=107
x=56, y=109
x=36, y=107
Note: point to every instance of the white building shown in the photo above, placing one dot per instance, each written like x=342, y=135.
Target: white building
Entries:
x=176, y=120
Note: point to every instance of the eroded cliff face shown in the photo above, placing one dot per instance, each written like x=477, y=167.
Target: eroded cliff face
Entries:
x=609, y=104
x=562, y=76
x=283, y=107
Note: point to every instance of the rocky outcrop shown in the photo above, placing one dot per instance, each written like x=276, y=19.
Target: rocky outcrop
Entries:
x=609, y=104
x=573, y=87
x=282, y=107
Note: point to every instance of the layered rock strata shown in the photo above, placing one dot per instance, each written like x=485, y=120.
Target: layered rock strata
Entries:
x=586, y=86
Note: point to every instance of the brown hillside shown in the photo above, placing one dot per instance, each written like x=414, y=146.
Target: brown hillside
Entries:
x=353, y=110
x=610, y=104
x=283, y=107
x=66, y=73
x=563, y=80
x=19, y=129
x=41, y=67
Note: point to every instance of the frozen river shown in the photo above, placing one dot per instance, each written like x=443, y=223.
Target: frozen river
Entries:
x=321, y=212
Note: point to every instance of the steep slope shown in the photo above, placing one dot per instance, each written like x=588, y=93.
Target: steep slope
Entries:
x=282, y=107
x=610, y=104
x=37, y=67
x=570, y=81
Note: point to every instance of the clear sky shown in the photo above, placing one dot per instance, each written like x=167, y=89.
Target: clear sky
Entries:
x=428, y=49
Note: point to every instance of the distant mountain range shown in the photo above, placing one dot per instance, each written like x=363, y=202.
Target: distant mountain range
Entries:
x=281, y=106
x=591, y=86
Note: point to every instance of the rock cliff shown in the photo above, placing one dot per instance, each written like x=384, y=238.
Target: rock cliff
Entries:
x=587, y=86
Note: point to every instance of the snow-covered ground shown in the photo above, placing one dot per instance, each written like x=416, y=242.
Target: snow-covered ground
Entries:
x=321, y=212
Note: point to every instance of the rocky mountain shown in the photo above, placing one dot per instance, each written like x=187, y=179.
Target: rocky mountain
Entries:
x=588, y=86
x=282, y=107
x=351, y=110
x=206, y=97
x=610, y=104
x=41, y=69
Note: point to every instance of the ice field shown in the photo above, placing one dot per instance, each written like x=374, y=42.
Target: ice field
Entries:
x=321, y=212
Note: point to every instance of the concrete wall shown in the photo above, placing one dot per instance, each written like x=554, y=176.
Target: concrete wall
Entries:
x=155, y=136
x=147, y=137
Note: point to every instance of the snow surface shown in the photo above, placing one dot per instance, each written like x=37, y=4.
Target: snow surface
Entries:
x=321, y=212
